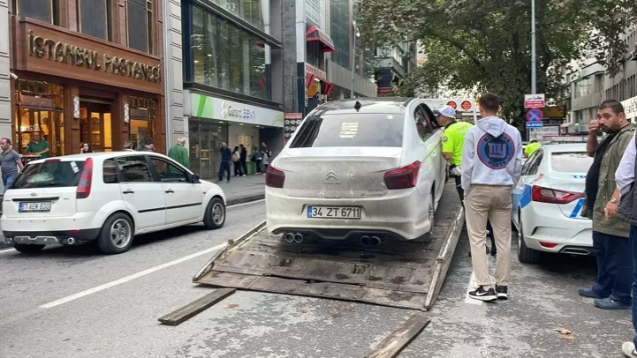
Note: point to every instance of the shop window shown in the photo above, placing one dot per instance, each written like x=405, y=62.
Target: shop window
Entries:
x=142, y=114
x=224, y=56
x=95, y=18
x=340, y=31
x=139, y=19
x=249, y=10
x=38, y=116
x=42, y=10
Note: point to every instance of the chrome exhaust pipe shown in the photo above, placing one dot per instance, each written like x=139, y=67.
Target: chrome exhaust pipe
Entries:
x=574, y=251
x=298, y=238
x=289, y=237
x=365, y=240
x=374, y=241
x=70, y=241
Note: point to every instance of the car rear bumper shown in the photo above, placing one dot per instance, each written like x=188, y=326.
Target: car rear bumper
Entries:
x=401, y=214
x=559, y=234
x=50, y=237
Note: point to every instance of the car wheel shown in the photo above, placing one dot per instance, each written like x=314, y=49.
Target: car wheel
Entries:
x=28, y=249
x=526, y=255
x=215, y=215
x=116, y=235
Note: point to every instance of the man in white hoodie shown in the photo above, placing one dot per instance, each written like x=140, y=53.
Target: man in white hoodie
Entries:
x=491, y=166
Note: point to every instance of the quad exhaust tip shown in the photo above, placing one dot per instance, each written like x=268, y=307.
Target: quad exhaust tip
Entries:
x=370, y=240
x=293, y=237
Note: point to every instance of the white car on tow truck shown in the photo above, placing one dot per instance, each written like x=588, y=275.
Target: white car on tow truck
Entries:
x=105, y=197
x=370, y=168
x=548, y=201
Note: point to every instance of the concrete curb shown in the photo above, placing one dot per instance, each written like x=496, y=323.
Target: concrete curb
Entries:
x=235, y=201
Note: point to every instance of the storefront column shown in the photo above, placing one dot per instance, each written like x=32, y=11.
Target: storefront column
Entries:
x=71, y=124
x=160, y=127
x=119, y=127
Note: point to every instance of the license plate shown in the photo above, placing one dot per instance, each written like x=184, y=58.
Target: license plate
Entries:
x=333, y=212
x=43, y=206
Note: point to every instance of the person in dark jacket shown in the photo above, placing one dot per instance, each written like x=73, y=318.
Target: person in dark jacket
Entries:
x=226, y=158
x=236, y=161
x=257, y=158
x=243, y=157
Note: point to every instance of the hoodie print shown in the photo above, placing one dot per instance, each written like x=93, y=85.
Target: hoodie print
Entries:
x=496, y=152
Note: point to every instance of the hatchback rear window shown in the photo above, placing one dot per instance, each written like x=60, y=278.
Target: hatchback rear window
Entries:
x=575, y=162
x=49, y=175
x=352, y=130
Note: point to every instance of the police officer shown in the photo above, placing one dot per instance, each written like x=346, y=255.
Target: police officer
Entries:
x=531, y=148
x=452, y=144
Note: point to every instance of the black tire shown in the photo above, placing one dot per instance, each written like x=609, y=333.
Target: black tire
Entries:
x=28, y=249
x=211, y=220
x=106, y=243
x=526, y=255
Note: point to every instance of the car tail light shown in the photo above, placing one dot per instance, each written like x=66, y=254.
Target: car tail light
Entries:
x=86, y=178
x=274, y=178
x=552, y=196
x=403, y=178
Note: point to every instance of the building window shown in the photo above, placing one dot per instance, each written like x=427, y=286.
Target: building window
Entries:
x=224, y=56
x=95, y=18
x=41, y=10
x=249, y=10
x=340, y=31
x=139, y=19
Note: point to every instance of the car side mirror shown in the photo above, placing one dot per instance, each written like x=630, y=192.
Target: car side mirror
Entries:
x=194, y=178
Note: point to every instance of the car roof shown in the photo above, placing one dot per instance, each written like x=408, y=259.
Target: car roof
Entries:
x=99, y=156
x=377, y=105
x=565, y=148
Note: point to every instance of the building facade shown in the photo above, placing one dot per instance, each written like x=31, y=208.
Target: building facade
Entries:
x=623, y=87
x=585, y=87
x=87, y=72
x=5, y=72
x=391, y=65
x=232, y=79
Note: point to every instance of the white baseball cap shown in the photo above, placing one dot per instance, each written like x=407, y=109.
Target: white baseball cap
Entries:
x=448, y=112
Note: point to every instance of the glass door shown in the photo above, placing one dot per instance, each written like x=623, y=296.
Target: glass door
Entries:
x=95, y=126
x=207, y=168
x=193, y=151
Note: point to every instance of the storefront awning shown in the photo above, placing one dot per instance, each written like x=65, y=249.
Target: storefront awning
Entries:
x=313, y=33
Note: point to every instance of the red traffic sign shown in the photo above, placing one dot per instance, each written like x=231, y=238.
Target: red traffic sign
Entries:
x=534, y=115
x=534, y=100
x=452, y=104
x=466, y=105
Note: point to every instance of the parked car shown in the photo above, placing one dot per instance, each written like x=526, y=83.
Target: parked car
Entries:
x=548, y=201
x=105, y=197
x=369, y=168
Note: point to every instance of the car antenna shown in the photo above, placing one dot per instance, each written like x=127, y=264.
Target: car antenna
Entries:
x=357, y=106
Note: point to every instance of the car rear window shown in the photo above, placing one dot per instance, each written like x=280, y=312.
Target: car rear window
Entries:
x=574, y=162
x=352, y=130
x=49, y=175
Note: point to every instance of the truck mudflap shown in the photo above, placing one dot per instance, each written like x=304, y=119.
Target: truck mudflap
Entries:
x=404, y=274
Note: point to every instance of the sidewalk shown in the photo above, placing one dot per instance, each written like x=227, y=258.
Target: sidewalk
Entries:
x=243, y=189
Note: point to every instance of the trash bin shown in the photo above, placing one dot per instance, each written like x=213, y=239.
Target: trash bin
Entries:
x=252, y=167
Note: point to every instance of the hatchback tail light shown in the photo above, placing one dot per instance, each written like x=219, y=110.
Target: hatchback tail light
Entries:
x=86, y=179
x=403, y=178
x=274, y=178
x=552, y=196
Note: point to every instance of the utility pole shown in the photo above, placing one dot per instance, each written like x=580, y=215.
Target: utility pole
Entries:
x=356, y=34
x=533, y=56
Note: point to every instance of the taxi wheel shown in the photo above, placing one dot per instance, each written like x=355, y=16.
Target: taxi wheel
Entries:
x=28, y=249
x=526, y=255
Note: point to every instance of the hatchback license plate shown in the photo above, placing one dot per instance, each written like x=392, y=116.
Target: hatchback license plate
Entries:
x=333, y=212
x=43, y=206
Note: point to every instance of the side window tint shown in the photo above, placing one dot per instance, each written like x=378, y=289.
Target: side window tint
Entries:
x=110, y=172
x=134, y=169
x=424, y=130
x=534, y=162
x=169, y=172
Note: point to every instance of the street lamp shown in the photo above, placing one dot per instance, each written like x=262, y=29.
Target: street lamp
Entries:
x=356, y=35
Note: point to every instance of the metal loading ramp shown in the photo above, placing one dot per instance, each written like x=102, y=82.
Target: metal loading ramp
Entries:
x=395, y=273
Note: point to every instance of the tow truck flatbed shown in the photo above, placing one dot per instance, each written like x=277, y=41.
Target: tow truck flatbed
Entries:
x=404, y=274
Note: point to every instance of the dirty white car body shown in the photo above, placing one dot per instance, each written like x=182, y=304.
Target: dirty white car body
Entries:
x=370, y=168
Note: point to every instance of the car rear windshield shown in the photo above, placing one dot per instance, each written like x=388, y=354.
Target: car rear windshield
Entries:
x=352, y=130
x=574, y=162
x=49, y=174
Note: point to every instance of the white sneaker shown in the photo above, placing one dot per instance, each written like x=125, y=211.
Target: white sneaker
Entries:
x=628, y=349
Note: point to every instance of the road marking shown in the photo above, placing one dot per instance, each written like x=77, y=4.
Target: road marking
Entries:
x=130, y=277
x=473, y=284
x=248, y=203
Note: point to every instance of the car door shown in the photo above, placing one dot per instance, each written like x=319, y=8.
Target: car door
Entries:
x=141, y=191
x=430, y=171
x=522, y=190
x=183, y=198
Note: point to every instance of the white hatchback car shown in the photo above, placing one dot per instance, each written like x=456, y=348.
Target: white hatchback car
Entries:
x=548, y=200
x=107, y=197
x=370, y=168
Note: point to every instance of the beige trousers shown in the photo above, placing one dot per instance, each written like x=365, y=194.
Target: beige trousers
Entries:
x=482, y=203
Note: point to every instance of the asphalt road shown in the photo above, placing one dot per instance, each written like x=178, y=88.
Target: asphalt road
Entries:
x=72, y=302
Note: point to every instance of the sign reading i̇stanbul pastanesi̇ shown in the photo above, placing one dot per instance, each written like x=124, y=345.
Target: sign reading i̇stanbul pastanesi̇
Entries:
x=82, y=57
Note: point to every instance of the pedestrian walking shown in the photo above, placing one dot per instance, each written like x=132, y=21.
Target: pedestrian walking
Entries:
x=491, y=166
x=243, y=157
x=10, y=163
x=265, y=160
x=149, y=145
x=623, y=203
x=612, y=287
x=179, y=153
x=226, y=158
x=257, y=157
x=452, y=142
x=236, y=161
